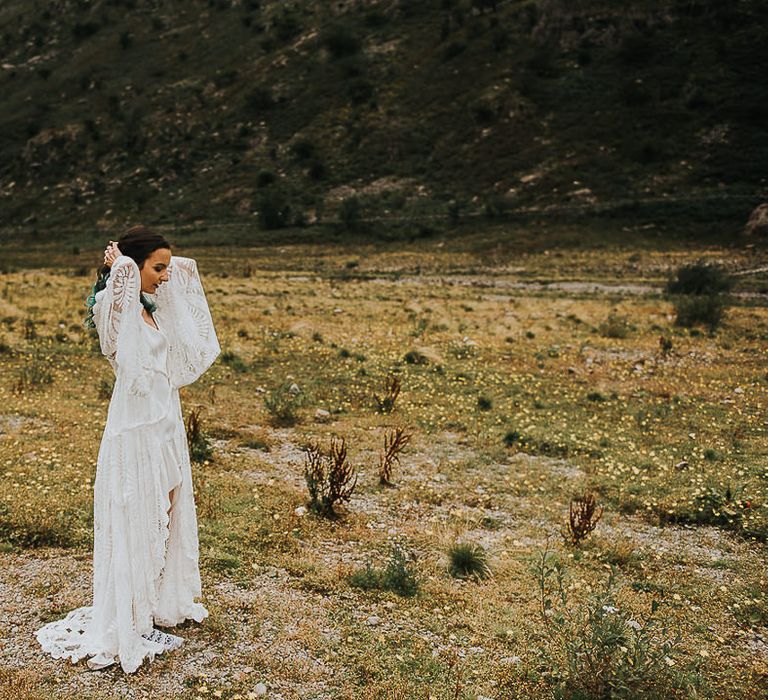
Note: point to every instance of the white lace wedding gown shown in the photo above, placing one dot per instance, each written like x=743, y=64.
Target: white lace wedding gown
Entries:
x=145, y=563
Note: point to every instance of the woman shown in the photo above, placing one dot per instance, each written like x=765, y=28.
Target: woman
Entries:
x=154, y=326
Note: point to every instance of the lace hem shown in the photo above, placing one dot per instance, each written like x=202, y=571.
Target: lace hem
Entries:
x=70, y=638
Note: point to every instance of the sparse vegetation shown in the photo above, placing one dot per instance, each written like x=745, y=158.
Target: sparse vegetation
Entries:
x=670, y=446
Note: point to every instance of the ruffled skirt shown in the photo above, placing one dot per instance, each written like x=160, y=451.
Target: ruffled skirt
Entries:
x=145, y=561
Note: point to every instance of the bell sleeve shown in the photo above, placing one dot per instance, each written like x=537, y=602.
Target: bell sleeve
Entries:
x=116, y=313
x=183, y=315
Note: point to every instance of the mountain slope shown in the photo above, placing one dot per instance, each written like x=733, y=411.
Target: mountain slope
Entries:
x=278, y=111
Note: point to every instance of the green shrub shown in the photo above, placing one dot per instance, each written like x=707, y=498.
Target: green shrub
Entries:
x=692, y=310
x=397, y=576
x=699, y=294
x=284, y=402
x=700, y=279
x=597, y=649
x=286, y=24
x=484, y=403
x=105, y=389
x=350, y=213
x=259, y=99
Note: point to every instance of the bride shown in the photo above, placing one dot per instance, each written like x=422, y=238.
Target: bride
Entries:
x=154, y=326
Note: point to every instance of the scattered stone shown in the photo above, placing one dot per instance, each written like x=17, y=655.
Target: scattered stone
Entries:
x=322, y=416
x=372, y=621
x=260, y=689
x=294, y=390
x=301, y=511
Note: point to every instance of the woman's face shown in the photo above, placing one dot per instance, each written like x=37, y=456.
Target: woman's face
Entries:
x=154, y=271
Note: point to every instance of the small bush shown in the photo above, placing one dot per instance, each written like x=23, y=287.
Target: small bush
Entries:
x=615, y=326
x=468, y=560
x=596, y=649
x=260, y=99
x=398, y=576
x=200, y=448
x=284, y=402
x=350, y=214
x=303, y=149
x=693, y=310
x=699, y=295
x=286, y=24
x=484, y=403
x=234, y=361
x=700, y=279
x=105, y=389
x=274, y=210
x=416, y=357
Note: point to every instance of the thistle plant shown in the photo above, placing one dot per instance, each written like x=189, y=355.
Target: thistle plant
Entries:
x=392, y=387
x=395, y=442
x=583, y=516
x=330, y=477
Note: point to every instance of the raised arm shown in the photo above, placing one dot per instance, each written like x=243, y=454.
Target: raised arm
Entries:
x=183, y=313
x=118, y=298
x=117, y=313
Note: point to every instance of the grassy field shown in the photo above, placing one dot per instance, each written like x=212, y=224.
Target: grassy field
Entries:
x=528, y=374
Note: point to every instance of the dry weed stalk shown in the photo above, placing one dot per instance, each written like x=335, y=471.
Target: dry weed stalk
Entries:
x=330, y=478
x=197, y=441
x=392, y=387
x=395, y=442
x=583, y=516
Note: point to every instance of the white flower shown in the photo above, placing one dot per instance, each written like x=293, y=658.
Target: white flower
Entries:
x=610, y=609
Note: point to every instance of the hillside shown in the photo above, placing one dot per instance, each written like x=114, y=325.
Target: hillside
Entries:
x=184, y=111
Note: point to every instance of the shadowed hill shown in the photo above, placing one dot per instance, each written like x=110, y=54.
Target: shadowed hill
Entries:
x=291, y=113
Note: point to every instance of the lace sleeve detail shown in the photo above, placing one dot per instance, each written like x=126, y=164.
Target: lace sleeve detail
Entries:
x=120, y=294
x=183, y=313
x=116, y=312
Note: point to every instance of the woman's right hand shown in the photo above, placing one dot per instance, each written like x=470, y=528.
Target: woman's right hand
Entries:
x=111, y=254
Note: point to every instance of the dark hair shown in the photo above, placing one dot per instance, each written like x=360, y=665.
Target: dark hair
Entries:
x=138, y=243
